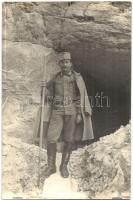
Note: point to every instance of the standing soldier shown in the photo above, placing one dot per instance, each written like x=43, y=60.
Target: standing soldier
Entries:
x=68, y=114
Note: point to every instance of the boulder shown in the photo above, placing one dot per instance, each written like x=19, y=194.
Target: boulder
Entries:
x=102, y=169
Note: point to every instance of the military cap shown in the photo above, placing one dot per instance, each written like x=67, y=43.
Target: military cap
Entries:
x=64, y=56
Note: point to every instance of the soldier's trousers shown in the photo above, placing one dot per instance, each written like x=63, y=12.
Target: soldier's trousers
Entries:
x=61, y=126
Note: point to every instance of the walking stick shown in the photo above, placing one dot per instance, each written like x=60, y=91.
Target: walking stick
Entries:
x=41, y=125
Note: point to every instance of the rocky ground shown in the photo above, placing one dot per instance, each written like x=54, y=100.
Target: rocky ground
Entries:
x=20, y=168
x=103, y=168
x=100, y=170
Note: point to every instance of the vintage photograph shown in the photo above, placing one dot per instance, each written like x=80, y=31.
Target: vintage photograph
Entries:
x=66, y=100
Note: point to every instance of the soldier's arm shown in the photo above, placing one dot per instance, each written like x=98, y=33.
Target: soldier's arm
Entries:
x=78, y=101
x=87, y=108
x=49, y=89
x=78, y=108
x=78, y=105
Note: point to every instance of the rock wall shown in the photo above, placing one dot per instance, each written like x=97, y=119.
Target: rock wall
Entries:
x=26, y=62
x=98, y=24
x=23, y=71
x=98, y=37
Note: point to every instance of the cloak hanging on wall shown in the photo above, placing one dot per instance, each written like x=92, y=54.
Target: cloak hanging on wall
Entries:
x=84, y=130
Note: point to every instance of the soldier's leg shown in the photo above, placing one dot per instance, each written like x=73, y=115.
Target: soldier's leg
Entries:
x=51, y=159
x=69, y=130
x=54, y=130
x=65, y=159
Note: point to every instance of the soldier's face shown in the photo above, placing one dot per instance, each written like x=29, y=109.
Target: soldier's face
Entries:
x=65, y=65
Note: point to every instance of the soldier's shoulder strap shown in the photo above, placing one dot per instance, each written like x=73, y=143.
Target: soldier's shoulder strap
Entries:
x=57, y=74
x=77, y=74
x=52, y=79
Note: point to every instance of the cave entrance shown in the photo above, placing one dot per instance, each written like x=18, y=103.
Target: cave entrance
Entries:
x=107, y=75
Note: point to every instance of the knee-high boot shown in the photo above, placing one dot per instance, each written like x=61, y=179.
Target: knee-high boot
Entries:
x=65, y=159
x=51, y=157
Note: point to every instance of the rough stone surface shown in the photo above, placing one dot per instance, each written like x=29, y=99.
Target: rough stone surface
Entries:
x=100, y=170
x=98, y=37
x=105, y=22
x=103, y=168
x=96, y=34
x=20, y=168
x=23, y=71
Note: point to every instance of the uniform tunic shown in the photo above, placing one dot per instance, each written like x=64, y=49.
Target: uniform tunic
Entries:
x=65, y=105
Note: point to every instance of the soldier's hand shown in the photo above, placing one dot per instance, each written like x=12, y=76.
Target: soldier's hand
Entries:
x=44, y=83
x=78, y=118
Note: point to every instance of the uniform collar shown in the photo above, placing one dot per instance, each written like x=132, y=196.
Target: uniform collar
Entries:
x=68, y=74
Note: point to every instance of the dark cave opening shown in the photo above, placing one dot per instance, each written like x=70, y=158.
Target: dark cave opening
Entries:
x=108, y=115
x=107, y=76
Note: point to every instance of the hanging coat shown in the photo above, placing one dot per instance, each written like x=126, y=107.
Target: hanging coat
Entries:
x=84, y=130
